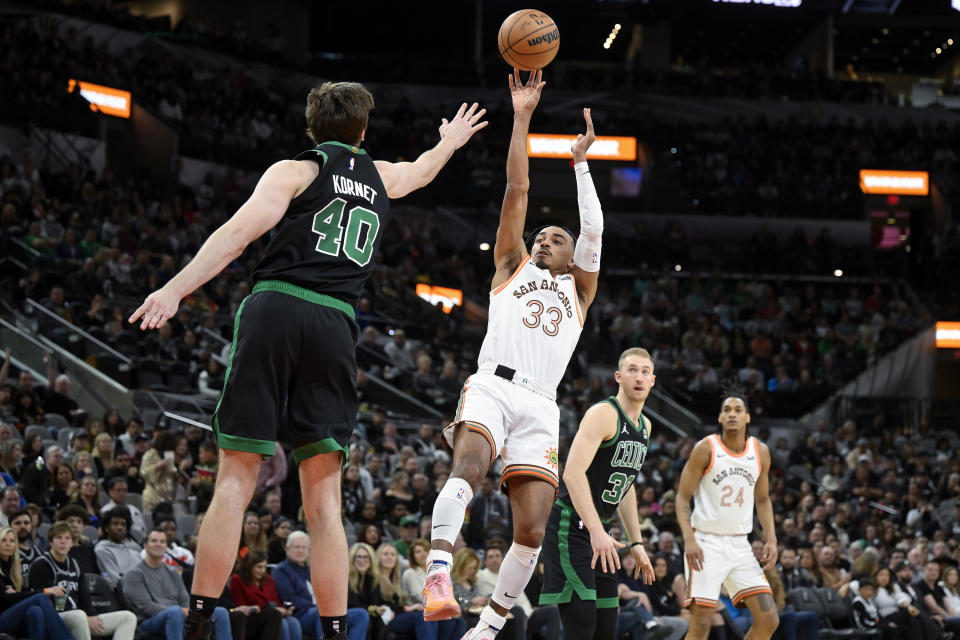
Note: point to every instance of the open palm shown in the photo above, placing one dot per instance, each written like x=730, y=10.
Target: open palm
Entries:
x=526, y=96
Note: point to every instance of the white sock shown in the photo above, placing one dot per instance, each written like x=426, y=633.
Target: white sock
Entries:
x=515, y=572
x=490, y=619
x=439, y=560
x=450, y=509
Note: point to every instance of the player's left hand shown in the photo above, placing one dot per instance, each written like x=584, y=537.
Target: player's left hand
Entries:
x=643, y=564
x=584, y=140
x=160, y=306
x=769, y=557
x=463, y=126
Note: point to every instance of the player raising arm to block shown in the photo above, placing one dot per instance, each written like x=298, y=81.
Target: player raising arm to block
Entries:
x=726, y=474
x=580, y=557
x=294, y=336
x=538, y=299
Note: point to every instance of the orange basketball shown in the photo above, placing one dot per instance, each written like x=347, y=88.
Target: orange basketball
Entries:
x=528, y=39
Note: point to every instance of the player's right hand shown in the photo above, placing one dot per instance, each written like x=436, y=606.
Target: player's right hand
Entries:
x=525, y=96
x=605, y=549
x=694, y=554
x=160, y=306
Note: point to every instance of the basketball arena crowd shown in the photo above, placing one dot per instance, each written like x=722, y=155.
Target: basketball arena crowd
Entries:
x=868, y=512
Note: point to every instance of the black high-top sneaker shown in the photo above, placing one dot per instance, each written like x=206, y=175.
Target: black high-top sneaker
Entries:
x=196, y=628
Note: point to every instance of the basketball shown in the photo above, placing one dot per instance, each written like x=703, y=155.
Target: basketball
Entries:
x=528, y=39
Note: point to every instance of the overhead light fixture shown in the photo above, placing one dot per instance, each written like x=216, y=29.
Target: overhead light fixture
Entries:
x=950, y=41
x=484, y=246
x=838, y=273
x=939, y=50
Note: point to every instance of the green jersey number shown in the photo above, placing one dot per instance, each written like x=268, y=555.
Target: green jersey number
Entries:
x=326, y=224
x=620, y=482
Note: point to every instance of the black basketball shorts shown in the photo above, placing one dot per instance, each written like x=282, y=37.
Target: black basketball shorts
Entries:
x=566, y=559
x=293, y=351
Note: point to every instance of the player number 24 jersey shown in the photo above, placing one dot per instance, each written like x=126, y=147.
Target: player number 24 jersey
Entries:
x=723, y=501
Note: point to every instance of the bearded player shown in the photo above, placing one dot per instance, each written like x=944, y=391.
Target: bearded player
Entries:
x=580, y=555
x=538, y=300
x=726, y=474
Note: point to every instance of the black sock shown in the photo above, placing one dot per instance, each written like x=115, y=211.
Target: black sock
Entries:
x=203, y=605
x=333, y=627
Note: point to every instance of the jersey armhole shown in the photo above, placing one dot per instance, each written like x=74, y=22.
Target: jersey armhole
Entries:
x=713, y=455
x=756, y=449
x=523, y=261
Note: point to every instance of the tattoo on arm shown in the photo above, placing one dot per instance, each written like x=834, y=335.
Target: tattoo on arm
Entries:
x=765, y=600
x=685, y=509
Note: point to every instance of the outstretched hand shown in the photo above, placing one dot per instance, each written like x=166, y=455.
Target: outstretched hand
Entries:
x=160, y=306
x=584, y=140
x=463, y=126
x=525, y=96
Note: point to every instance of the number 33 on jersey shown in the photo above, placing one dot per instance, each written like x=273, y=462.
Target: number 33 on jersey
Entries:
x=535, y=322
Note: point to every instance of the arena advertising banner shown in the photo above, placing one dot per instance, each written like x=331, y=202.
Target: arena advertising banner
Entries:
x=948, y=335
x=449, y=298
x=889, y=182
x=551, y=145
x=113, y=102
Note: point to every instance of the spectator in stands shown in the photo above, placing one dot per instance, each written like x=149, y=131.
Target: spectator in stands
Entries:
x=22, y=525
x=117, y=553
x=668, y=549
x=65, y=487
x=88, y=498
x=25, y=613
x=57, y=397
x=179, y=558
x=252, y=587
x=489, y=512
x=9, y=504
x=277, y=545
x=210, y=380
x=808, y=561
x=253, y=536
x=82, y=549
x=37, y=481
x=117, y=490
x=896, y=610
x=159, y=470
x=400, y=352
x=56, y=568
x=463, y=575
x=934, y=597
x=103, y=453
x=273, y=471
x=157, y=596
x=791, y=575
x=292, y=580
x=128, y=438
x=10, y=453
x=424, y=497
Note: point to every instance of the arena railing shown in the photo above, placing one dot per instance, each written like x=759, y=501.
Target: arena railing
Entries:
x=92, y=389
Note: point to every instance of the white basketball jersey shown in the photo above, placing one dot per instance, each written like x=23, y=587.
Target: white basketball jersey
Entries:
x=534, y=325
x=723, y=501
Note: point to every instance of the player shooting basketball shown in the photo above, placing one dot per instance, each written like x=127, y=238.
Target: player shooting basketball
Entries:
x=538, y=299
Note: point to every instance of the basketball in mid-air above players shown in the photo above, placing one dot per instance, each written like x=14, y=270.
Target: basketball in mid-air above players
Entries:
x=538, y=298
x=726, y=474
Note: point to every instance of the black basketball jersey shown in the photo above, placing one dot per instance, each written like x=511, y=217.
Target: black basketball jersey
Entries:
x=326, y=240
x=616, y=464
x=66, y=575
x=26, y=557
